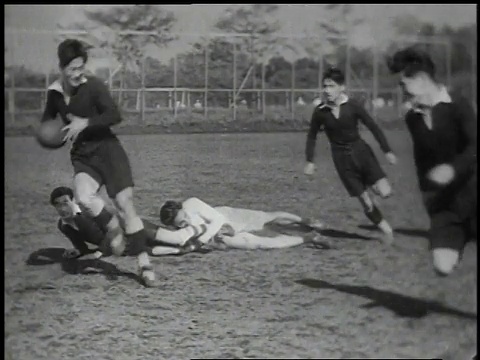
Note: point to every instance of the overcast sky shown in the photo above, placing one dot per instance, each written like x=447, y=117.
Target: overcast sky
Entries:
x=38, y=50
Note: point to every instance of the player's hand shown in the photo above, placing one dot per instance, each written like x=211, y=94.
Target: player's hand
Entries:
x=391, y=158
x=71, y=254
x=76, y=126
x=309, y=168
x=442, y=174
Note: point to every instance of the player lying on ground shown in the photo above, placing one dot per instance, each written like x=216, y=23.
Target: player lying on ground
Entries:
x=443, y=128
x=354, y=160
x=98, y=158
x=236, y=228
x=82, y=230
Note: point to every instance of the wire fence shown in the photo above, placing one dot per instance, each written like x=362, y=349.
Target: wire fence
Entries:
x=221, y=76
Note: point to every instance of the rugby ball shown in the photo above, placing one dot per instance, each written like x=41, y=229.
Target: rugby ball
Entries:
x=49, y=133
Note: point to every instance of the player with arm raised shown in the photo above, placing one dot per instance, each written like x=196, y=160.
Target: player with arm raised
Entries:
x=356, y=164
x=443, y=128
x=98, y=158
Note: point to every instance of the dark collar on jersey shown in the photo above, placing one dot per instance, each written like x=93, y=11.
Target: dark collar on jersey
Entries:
x=442, y=97
x=57, y=85
x=342, y=99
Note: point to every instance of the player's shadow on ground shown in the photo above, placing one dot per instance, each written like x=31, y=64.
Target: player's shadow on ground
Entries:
x=408, y=232
x=48, y=256
x=300, y=228
x=401, y=305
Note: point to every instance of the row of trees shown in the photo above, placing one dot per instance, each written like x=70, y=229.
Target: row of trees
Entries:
x=262, y=47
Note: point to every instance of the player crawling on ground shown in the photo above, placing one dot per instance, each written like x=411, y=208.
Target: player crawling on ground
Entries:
x=98, y=158
x=354, y=160
x=443, y=128
x=82, y=230
x=229, y=227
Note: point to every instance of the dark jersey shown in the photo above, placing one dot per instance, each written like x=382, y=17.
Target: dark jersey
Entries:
x=342, y=132
x=86, y=231
x=452, y=140
x=90, y=100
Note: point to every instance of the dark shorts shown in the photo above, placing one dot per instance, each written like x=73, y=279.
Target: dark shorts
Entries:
x=357, y=167
x=453, y=216
x=107, y=163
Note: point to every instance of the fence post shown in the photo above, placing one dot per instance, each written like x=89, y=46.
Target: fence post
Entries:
x=292, y=92
x=205, y=107
x=264, y=110
x=175, y=86
x=375, y=80
x=234, y=80
x=142, y=99
x=13, y=84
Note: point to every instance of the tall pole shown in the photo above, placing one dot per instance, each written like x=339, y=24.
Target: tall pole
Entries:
x=264, y=110
x=12, y=92
x=375, y=77
x=292, y=92
x=175, y=86
x=234, y=81
x=142, y=99
x=205, y=108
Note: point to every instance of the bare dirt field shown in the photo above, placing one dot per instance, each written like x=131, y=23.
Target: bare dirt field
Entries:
x=360, y=300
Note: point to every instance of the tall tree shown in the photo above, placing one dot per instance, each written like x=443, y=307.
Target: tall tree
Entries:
x=103, y=27
x=260, y=23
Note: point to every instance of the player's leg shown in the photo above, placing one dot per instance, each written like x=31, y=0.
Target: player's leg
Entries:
x=86, y=187
x=118, y=179
x=447, y=237
x=248, y=241
x=373, y=213
x=159, y=250
x=285, y=218
x=382, y=188
x=375, y=178
x=269, y=239
x=135, y=233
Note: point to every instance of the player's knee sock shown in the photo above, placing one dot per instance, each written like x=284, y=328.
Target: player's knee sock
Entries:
x=374, y=215
x=136, y=235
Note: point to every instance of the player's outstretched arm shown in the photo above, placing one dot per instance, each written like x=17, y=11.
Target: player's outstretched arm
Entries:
x=374, y=128
x=315, y=127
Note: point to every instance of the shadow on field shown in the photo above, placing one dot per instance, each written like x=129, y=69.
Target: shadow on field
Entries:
x=408, y=232
x=401, y=305
x=294, y=229
x=48, y=256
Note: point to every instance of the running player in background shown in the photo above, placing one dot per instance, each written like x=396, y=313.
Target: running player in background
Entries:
x=354, y=160
x=98, y=158
x=443, y=128
x=238, y=228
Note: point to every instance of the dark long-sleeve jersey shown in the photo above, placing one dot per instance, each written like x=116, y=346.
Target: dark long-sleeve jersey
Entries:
x=86, y=231
x=342, y=132
x=91, y=100
x=452, y=140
